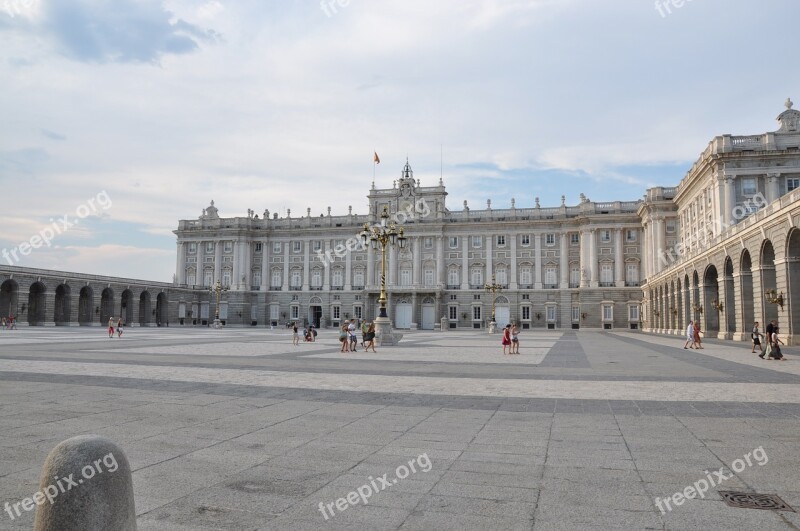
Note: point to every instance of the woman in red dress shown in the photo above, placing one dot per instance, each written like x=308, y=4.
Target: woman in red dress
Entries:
x=697, y=342
x=506, y=338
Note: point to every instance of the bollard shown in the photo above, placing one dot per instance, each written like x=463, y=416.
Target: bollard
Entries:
x=85, y=485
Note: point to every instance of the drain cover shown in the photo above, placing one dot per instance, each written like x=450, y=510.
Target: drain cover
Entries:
x=748, y=500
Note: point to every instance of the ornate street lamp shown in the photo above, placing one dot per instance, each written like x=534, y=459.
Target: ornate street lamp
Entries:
x=383, y=237
x=218, y=290
x=494, y=288
x=774, y=298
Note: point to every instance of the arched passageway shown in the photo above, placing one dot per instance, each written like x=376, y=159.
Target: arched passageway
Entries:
x=161, y=310
x=62, y=310
x=710, y=301
x=126, y=307
x=9, y=298
x=106, y=305
x=145, y=307
x=86, y=306
x=36, y=304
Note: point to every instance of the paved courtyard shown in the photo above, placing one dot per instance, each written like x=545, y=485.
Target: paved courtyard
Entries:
x=241, y=430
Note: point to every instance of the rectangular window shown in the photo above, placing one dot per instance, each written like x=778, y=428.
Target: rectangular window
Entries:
x=748, y=186
x=454, y=242
x=526, y=297
x=501, y=241
x=632, y=274
x=605, y=235
x=297, y=279
x=525, y=276
x=453, y=297
x=209, y=247
x=428, y=277
x=259, y=247
x=477, y=277
x=502, y=277
x=574, y=238
x=551, y=313
x=550, y=240
x=276, y=247
x=337, y=312
x=274, y=311
x=526, y=239
x=276, y=279
x=192, y=248
x=792, y=184
x=452, y=277
x=358, y=311
x=476, y=313
x=608, y=312
x=550, y=276
x=428, y=243
x=574, y=277
x=606, y=274
x=476, y=242
x=208, y=278
x=453, y=313
x=630, y=235
x=633, y=313
x=405, y=277
x=228, y=247
x=526, y=313
x=317, y=245
x=296, y=246
x=671, y=227
x=316, y=278
x=476, y=297
x=576, y=314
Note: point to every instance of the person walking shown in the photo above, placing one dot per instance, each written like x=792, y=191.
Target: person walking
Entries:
x=369, y=337
x=110, y=327
x=351, y=330
x=3, y=323
x=776, y=353
x=696, y=335
x=119, y=327
x=343, y=337
x=689, y=336
x=514, y=339
x=295, y=334
x=364, y=330
x=506, y=341
x=756, y=336
x=12, y=323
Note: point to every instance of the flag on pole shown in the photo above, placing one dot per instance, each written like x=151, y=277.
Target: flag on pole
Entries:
x=376, y=159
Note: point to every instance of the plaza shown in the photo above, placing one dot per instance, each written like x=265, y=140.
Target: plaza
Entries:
x=239, y=429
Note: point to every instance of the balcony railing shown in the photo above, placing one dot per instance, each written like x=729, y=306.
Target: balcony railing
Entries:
x=316, y=288
x=629, y=284
x=607, y=284
x=574, y=284
x=255, y=288
x=295, y=288
x=337, y=288
x=476, y=286
x=551, y=286
x=526, y=286
x=358, y=288
x=454, y=286
x=275, y=288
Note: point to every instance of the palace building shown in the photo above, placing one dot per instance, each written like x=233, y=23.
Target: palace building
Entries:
x=722, y=247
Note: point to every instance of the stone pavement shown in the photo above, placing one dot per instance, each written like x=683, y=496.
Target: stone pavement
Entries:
x=239, y=429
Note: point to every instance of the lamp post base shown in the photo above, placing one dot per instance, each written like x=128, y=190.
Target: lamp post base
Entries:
x=217, y=323
x=384, y=334
x=492, y=327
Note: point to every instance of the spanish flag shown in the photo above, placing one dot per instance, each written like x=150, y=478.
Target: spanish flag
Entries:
x=376, y=159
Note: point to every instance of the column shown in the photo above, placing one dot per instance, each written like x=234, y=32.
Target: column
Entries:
x=584, y=257
x=417, y=258
x=593, y=257
x=773, y=191
x=730, y=201
x=370, y=281
x=265, y=266
x=513, y=280
x=198, y=276
x=537, y=257
x=391, y=279
x=658, y=245
x=440, y=260
x=180, y=270
x=464, y=262
x=217, y=262
x=286, y=246
x=307, y=263
x=326, y=272
x=489, y=268
x=563, y=261
x=348, y=270
x=235, y=281
x=619, y=259
x=646, y=250
x=247, y=264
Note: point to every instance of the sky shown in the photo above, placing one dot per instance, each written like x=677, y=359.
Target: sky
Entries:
x=126, y=116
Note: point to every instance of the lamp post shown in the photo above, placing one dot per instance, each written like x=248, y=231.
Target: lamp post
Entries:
x=218, y=290
x=384, y=236
x=493, y=288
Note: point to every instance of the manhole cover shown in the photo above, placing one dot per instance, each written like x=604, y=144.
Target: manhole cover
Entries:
x=747, y=500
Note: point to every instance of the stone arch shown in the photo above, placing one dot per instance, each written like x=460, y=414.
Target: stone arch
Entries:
x=9, y=298
x=106, y=305
x=126, y=307
x=86, y=306
x=711, y=295
x=768, y=280
x=746, y=293
x=315, y=300
x=697, y=307
x=162, y=310
x=687, y=301
x=793, y=285
x=501, y=300
x=145, y=308
x=62, y=310
x=729, y=298
x=36, y=304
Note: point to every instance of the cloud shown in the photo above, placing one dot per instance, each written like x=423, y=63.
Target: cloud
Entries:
x=53, y=135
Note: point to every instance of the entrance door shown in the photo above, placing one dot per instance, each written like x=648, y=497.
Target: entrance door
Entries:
x=402, y=318
x=428, y=317
x=502, y=315
x=316, y=315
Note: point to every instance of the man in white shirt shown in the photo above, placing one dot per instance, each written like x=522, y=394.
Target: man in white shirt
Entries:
x=689, y=335
x=351, y=330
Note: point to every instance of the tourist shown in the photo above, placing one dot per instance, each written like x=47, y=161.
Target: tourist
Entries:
x=111, y=327
x=696, y=335
x=3, y=324
x=364, y=329
x=776, y=353
x=12, y=323
x=689, y=336
x=351, y=329
x=756, y=336
x=514, y=339
x=369, y=337
x=119, y=327
x=506, y=341
x=295, y=334
x=312, y=332
x=343, y=334
x=769, y=330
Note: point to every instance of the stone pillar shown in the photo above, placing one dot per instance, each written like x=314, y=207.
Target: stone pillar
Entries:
x=489, y=266
x=512, y=284
x=465, y=263
x=307, y=265
x=235, y=282
x=180, y=270
x=730, y=201
x=370, y=281
x=217, y=262
x=391, y=277
x=584, y=257
x=537, y=256
x=619, y=259
x=773, y=187
x=326, y=272
x=286, y=250
x=417, y=261
x=563, y=261
x=265, y=252
x=593, y=256
x=440, y=261
x=101, y=495
x=348, y=270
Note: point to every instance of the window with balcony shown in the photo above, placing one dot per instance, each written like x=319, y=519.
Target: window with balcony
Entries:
x=453, y=242
x=501, y=241
x=276, y=247
x=476, y=242
x=606, y=275
x=453, y=280
x=427, y=277
x=550, y=277
x=550, y=240
x=476, y=277
x=525, y=240
x=525, y=277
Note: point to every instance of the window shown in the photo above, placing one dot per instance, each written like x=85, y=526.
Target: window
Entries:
x=427, y=243
x=605, y=235
x=526, y=297
x=574, y=276
x=576, y=314
x=428, y=277
x=792, y=184
x=502, y=276
x=550, y=276
x=633, y=313
x=608, y=312
x=192, y=248
x=358, y=277
x=405, y=277
x=670, y=227
x=228, y=247
x=276, y=278
x=630, y=235
x=551, y=313
x=476, y=242
x=453, y=313
x=226, y=279
x=606, y=274
x=632, y=274
x=337, y=312
x=297, y=280
x=476, y=274
x=259, y=247
x=501, y=241
x=525, y=276
x=476, y=313
x=453, y=242
x=574, y=238
x=452, y=277
x=749, y=186
x=476, y=297
x=190, y=279
x=295, y=312
x=550, y=240
x=296, y=246
x=257, y=278
x=317, y=245
x=338, y=278
x=316, y=278
x=274, y=311
x=276, y=247
x=453, y=297
x=358, y=311
x=526, y=313
x=208, y=278
x=209, y=247
x=526, y=239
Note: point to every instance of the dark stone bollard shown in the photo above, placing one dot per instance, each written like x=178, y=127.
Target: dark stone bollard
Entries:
x=86, y=485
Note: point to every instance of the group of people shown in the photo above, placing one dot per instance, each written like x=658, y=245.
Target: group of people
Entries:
x=510, y=339
x=772, y=350
x=114, y=327
x=349, y=339
x=8, y=324
x=693, y=339
x=309, y=334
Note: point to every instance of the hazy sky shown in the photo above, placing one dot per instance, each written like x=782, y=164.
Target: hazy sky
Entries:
x=262, y=104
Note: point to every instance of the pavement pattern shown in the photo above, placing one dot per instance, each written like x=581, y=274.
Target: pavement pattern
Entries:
x=241, y=430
